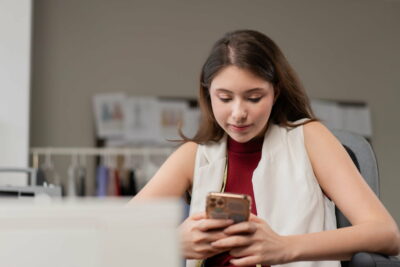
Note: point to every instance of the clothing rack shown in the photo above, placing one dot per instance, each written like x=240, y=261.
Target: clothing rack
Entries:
x=90, y=151
x=100, y=151
x=108, y=157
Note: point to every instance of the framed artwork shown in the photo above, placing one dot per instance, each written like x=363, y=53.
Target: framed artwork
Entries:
x=109, y=110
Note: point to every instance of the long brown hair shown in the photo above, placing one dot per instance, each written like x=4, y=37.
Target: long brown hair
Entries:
x=253, y=51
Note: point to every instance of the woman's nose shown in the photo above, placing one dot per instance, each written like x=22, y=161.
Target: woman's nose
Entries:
x=239, y=113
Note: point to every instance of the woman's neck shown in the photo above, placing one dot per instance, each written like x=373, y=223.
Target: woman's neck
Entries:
x=251, y=146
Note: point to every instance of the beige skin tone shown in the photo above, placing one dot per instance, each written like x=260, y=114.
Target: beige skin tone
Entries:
x=242, y=104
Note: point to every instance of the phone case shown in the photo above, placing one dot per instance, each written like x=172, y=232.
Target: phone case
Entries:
x=228, y=206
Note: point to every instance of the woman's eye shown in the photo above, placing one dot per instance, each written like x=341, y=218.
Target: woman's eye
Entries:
x=225, y=99
x=254, y=99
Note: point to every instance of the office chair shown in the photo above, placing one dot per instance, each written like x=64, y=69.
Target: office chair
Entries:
x=363, y=157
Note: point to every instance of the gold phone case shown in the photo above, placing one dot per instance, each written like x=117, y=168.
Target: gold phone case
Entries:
x=228, y=206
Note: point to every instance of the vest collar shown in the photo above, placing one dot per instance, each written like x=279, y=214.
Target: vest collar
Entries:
x=216, y=152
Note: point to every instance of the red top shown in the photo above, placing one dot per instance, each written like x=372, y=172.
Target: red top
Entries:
x=243, y=158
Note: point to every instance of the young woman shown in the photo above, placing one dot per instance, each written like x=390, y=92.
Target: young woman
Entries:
x=258, y=136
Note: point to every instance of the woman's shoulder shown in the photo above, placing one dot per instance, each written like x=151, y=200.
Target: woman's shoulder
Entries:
x=307, y=130
x=213, y=149
x=308, y=126
x=318, y=138
x=184, y=157
x=315, y=129
x=187, y=149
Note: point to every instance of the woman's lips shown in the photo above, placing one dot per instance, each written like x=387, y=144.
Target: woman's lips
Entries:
x=239, y=128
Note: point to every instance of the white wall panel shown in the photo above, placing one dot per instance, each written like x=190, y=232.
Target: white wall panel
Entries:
x=15, y=43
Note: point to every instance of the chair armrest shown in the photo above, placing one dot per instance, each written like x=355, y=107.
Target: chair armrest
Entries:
x=365, y=259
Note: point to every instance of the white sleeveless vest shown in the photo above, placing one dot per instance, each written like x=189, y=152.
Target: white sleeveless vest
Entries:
x=287, y=194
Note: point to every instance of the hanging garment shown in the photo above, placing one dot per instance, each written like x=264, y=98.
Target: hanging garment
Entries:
x=80, y=181
x=47, y=173
x=129, y=181
x=101, y=181
x=124, y=182
x=111, y=182
x=132, y=183
x=117, y=183
x=40, y=177
x=72, y=174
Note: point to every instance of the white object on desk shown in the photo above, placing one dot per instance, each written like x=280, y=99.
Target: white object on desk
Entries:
x=90, y=234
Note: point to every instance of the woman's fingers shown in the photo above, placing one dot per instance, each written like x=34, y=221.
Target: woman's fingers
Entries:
x=232, y=241
x=203, y=251
x=241, y=228
x=215, y=236
x=211, y=224
x=246, y=261
x=256, y=219
x=207, y=237
x=240, y=252
x=198, y=216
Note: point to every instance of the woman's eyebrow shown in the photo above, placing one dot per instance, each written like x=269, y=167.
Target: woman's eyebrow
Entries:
x=255, y=90
x=252, y=90
x=223, y=90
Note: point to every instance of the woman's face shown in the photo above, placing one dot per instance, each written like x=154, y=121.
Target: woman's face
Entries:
x=241, y=103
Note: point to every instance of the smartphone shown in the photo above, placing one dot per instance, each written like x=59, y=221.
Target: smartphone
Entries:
x=228, y=206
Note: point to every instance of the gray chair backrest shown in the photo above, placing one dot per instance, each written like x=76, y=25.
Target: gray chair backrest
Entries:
x=365, y=157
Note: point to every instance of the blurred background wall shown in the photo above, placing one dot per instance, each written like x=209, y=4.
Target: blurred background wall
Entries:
x=342, y=50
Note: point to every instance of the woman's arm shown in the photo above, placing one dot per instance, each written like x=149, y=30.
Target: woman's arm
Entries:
x=174, y=177
x=372, y=230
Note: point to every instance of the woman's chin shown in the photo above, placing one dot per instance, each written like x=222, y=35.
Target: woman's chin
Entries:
x=241, y=138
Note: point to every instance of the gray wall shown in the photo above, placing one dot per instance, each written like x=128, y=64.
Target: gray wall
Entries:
x=345, y=50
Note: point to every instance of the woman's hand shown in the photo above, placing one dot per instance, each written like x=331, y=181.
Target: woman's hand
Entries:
x=197, y=233
x=254, y=242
